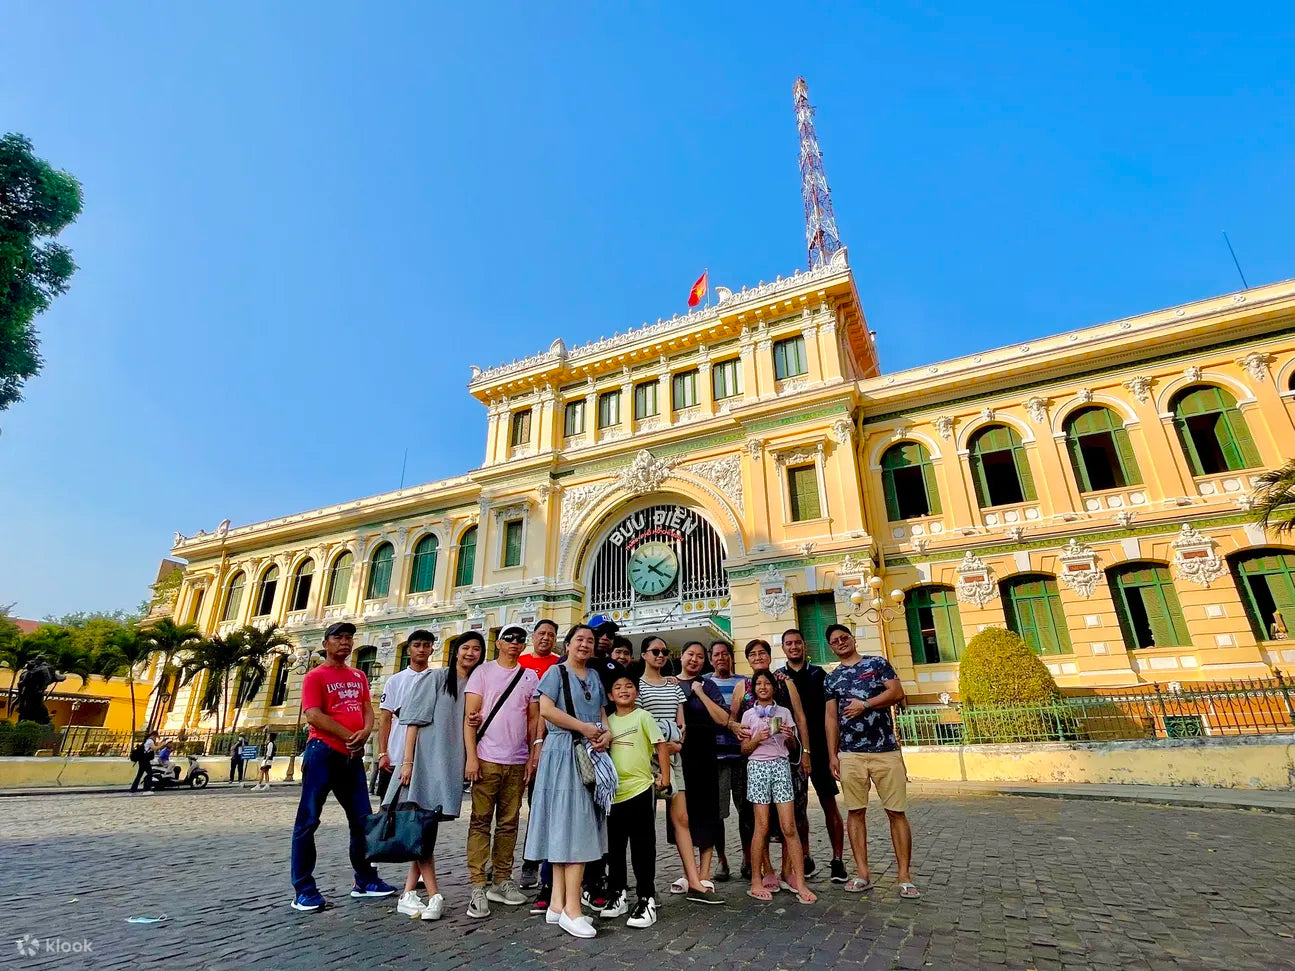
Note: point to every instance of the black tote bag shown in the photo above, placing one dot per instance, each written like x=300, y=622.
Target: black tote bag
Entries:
x=400, y=832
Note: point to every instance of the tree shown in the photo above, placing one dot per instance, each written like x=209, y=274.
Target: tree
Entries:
x=1007, y=693
x=217, y=657
x=173, y=641
x=1275, y=499
x=37, y=202
x=258, y=648
x=129, y=651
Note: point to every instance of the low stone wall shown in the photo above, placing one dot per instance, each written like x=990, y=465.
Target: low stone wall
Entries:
x=41, y=773
x=1232, y=762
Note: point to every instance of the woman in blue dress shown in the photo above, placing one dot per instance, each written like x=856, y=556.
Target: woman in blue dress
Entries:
x=566, y=828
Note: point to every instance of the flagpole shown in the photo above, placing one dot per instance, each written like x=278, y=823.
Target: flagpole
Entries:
x=706, y=273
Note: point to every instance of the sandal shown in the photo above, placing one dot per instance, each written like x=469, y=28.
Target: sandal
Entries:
x=679, y=886
x=761, y=894
x=909, y=891
x=771, y=883
x=806, y=896
x=859, y=885
x=708, y=886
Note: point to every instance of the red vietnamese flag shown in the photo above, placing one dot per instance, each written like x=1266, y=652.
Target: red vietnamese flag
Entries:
x=698, y=289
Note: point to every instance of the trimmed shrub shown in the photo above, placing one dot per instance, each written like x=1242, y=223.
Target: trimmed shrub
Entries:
x=1008, y=694
x=25, y=738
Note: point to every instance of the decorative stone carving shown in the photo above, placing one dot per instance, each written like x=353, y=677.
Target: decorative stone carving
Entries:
x=807, y=549
x=856, y=565
x=792, y=386
x=975, y=581
x=177, y=539
x=899, y=433
x=1015, y=533
x=1079, y=568
x=723, y=295
x=1125, y=517
x=649, y=424
x=1246, y=502
x=547, y=488
x=775, y=598
x=842, y=431
x=1085, y=396
x=725, y=472
x=514, y=510
x=800, y=456
x=1192, y=373
x=644, y=474
x=223, y=529
x=575, y=501
x=1140, y=387
x=920, y=544
x=755, y=448
x=1256, y=365
x=987, y=414
x=1196, y=557
x=944, y=425
x=1038, y=409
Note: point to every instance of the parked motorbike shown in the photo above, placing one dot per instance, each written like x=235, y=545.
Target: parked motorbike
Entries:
x=166, y=776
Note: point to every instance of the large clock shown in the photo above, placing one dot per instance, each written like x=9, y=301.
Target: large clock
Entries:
x=653, y=568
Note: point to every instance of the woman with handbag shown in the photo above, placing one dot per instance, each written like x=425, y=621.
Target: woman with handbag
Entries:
x=567, y=827
x=431, y=775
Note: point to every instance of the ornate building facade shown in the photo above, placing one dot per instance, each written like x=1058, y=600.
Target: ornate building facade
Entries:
x=748, y=467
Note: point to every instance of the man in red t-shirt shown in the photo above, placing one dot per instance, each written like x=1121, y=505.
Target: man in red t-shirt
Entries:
x=335, y=701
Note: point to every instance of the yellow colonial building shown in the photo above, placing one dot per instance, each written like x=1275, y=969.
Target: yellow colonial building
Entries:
x=749, y=467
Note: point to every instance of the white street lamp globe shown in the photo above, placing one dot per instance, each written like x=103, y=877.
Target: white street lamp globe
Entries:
x=857, y=598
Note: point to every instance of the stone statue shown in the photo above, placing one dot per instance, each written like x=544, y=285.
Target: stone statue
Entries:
x=33, y=681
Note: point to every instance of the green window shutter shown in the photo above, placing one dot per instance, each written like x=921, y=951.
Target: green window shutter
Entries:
x=978, y=476
x=815, y=612
x=932, y=487
x=380, y=572
x=892, y=497
x=1128, y=461
x=802, y=491
x=1188, y=445
x=422, y=575
x=1060, y=633
x=1281, y=587
x=513, y=543
x=1077, y=459
x=1023, y=469
x=913, y=623
x=339, y=580
x=1243, y=450
x=1121, y=593
x=948, y=624
x=467, y=563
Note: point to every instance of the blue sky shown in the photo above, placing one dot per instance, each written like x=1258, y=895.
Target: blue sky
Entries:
x=304, y=222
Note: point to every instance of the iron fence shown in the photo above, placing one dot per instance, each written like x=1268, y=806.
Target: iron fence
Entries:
x=1188, y=710
x=82, y=741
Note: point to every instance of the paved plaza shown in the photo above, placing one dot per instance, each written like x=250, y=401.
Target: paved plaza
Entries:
x=1008, y=882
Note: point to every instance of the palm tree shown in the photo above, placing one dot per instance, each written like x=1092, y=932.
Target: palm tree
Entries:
x=258, y=649
x=15, y=652
x=127, y=651
x=1275, y=499
x=216, y=657
x=171, y=640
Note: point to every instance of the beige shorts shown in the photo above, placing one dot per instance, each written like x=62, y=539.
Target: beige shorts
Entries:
x=885, y=770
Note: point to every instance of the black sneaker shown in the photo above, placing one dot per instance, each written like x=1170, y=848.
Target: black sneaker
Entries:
x=643, y=914
x=810, y=867
x=541, y=904
x=619, y=904
x=530, y=876
x=838, y=872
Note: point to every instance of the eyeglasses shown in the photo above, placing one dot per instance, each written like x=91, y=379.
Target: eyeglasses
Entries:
x=514, y=638
x=657, y=652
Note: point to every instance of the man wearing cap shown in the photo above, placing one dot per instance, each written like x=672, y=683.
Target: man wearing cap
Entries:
x=391, y=734
x=501, y=759
x=335, y=700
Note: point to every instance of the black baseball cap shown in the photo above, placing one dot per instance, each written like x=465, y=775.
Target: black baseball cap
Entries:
x=512, y=628
x=341, y=627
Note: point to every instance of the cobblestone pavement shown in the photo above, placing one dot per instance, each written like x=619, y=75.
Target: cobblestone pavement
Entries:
x=1007, y=882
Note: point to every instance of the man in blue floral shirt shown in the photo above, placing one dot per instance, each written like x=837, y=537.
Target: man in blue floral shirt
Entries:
x=863, y=752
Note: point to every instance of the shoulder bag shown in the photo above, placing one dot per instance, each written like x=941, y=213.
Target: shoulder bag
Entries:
x=400, y=832
x=584, y=760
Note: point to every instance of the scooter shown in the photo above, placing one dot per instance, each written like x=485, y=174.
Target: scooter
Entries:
x=165, y=776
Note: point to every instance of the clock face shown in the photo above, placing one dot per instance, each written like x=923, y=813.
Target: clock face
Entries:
x=653, y=568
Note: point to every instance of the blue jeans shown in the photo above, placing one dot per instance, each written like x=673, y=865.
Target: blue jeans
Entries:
x=324, y=770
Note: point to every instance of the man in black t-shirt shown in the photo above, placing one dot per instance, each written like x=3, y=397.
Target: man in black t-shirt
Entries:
x=808, y=679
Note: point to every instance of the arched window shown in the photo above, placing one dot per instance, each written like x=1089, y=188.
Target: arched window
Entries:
x=1100, y=451
x=423, y=574
x=380, y=572
x=934, y=627
x=366, y=660
x=1267, y=581
x=1213, y=433
x=279, y=693
x=467, y=565
x=234, y=597
x=339, y=580
x=1147, y=607
x=1033, y=609
x=301, y=581
x=265, y=593
x=908, y=479
x=1000, y=468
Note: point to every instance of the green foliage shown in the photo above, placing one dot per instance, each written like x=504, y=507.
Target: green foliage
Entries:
x=172, y=641
x=1008, y=694
x=25, y=738
x=37, y=202
x=1275, y=499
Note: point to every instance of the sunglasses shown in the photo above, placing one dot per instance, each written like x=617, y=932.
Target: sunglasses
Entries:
x=657, y=652
x=515, y=638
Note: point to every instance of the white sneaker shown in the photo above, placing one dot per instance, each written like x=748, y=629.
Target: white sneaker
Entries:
x=435, y=907
x=617, y=906
x=579, y=927
x=506, y=893
x=552, y=916
x=643, y=914
x=410, y=904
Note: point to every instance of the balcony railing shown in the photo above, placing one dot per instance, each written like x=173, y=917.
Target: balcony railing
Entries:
x=1011, y=515
x=1130, y=497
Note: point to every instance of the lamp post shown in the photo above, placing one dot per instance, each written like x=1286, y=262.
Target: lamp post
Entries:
x=302, y=661
x=877, y=611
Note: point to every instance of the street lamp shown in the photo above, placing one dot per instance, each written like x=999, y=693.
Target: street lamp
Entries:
x=302, y=660
x=877, y=611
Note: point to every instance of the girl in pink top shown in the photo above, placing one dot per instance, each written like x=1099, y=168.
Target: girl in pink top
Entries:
x=767, y=728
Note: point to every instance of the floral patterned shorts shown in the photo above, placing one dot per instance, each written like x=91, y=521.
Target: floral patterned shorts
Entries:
x=768, y=781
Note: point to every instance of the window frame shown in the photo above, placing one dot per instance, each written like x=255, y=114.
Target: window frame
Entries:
x=687, y=382
x=1161, y=609
x=1124, y=468
x=279, y=687
x=380, y=573
x=474, y=532
x=942, y=601
x=655, y=386
x=294, y=592
x=726, y=369
x=1045, y=604
x=1282, y=594
x=781, y=363
x=1236, y=439
x=419, y=571
x=891, y=489
x=267, y=588
x=611, y=399
x=519, y=427
x=573, y=414
x=812, y=612
x=1020, y=462
x=793, y=492
x=233, y=605
x=332, y=594
x=510, y=528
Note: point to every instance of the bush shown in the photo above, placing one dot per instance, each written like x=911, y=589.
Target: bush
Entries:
x=25, y=738
x=1008, y=694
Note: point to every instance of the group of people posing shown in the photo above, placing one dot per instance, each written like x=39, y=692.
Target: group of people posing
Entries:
x=594, y=737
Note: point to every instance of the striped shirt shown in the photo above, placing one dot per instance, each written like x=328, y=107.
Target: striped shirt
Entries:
x=662, y=702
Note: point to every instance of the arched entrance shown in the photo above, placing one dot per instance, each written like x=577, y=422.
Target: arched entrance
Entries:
x=659, y=567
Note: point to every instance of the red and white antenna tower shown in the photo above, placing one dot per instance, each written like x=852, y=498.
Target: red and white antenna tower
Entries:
x=820, y=221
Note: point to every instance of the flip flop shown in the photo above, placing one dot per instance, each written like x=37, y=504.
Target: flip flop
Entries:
x=909, y=891
x=679, y=886
x=812, y=897
x=771, y=883
x=760, y=894
x=785, y=886
x=708, y=885
x=857, y=885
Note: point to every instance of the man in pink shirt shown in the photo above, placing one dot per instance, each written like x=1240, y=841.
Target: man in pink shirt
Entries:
x=500, y=762
x=335, y=700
